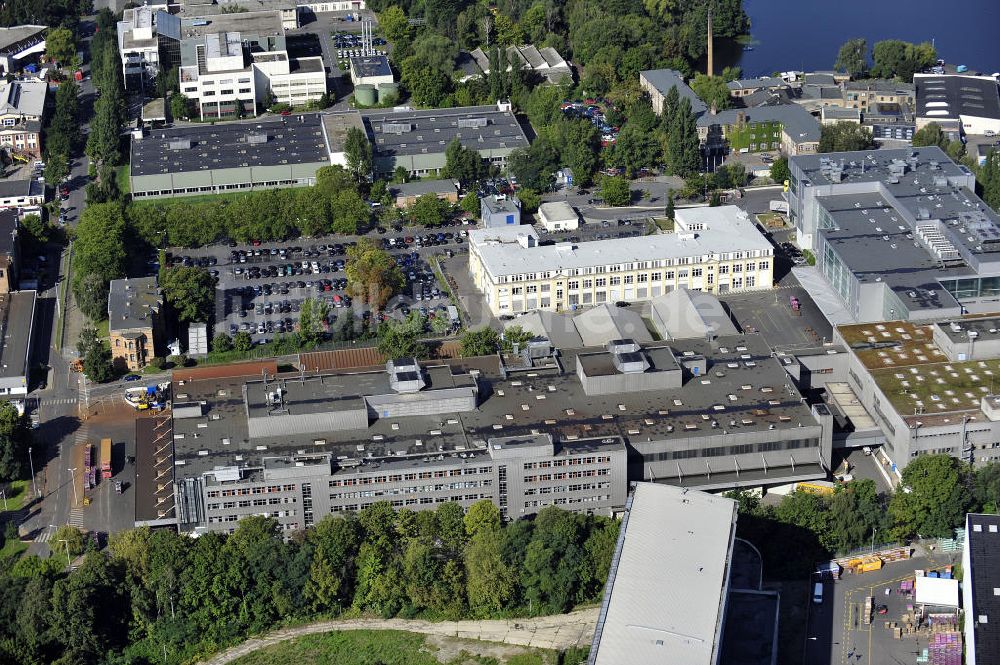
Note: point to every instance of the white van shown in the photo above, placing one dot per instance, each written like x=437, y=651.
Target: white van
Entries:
x=818, y=593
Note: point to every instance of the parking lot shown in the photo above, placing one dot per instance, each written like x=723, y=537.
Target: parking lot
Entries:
x=837, y=633
x=261, y=288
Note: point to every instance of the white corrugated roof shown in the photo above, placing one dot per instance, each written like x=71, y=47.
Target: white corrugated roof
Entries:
x=666, y=598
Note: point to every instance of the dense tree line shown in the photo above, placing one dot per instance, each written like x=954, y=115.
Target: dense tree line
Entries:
x=156, y=592
x=931, y=501
x=891, y=58
x=110, y=113
x=989, y=179
x=44, y=12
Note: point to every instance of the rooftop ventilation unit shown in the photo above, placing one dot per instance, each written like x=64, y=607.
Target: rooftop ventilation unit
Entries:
x=473, y=123
x=256, y=139
x=397, y=127
x=630, y=362
x=405, y=375
x=622, y=346
x=180, y=144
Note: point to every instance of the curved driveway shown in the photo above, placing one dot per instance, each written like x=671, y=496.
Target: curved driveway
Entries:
x=560, y=631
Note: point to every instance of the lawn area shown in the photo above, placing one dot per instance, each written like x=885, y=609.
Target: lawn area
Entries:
x=122, y=176
x=103, y=329
x=12, y=549
x=390, y=647
x=665, y=224
x=197, y=198
x=17, y=492
x=771, y=220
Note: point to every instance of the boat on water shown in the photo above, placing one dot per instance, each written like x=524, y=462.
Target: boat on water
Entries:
x=747, y=48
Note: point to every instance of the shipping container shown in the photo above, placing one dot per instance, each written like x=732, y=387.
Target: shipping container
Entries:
x=105, y=458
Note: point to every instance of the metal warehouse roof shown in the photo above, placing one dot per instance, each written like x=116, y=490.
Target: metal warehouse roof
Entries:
x=430, y=131
x=664, y=601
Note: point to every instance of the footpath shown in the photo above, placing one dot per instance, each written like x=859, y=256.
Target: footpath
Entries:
x=558, y=632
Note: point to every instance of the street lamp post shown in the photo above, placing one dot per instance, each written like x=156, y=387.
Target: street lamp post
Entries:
x=69, y=561
x=3, y=493
x=72, y=478
x=31, y=461
x=874, y=531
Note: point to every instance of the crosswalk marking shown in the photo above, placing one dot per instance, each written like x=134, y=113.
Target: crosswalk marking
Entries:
x=76, y=517
x=54, y=402
x=44, y=536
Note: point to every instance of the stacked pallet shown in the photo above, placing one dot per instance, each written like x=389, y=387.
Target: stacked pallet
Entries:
x=946, y=649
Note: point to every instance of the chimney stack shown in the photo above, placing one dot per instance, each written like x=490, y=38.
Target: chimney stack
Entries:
x=709, y=72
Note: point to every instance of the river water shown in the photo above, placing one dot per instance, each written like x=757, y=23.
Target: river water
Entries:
x=805, y=35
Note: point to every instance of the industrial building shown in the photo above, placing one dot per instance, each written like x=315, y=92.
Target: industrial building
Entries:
x=23, y=195
x=960, y=104
x=788, y=128
x=237, y=156
x=525, y=430
x=545, y=62
x=686, y=314
x=897, y=234
x=17, y=321
x=499, y=210
x=18, y=43
x=671, y=606
x=417, y=139
x=229, y=62
x=715, y=250
x=406, y=194
x=980, y=595
x=658, y=82
x=558, y=216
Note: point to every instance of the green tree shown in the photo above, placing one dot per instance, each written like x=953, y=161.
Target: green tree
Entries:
x=683, y=155
x=490, y=582
x=394, y=24
x=855, y=511
x=482, y=516
x=100, y=244
x=60, y=46
x=986, y=488
x=74, y=541
x=428, y=210
x=15, y=438
x=57, y=166
x=463, y=164
x=358, y=153
x=713, y=90
x=470, y=203
x=242, y=342
x=400, y=175
x=401, y=339
x=534, y=167
x=312, y=321
x=222, y=343
x=616, y=191
x=930, y=500
x=896, y=58
x=190, y=291
x=989, y=179
x=98, y=365
x=930, y=134
x=779, y=170
x=350, y=212
x=91, y=295
x=372, y=274
x=35, y=232
x=181, y=107
x=845, y=136
x=669, y=211
x=853, y=57
x=480, y=342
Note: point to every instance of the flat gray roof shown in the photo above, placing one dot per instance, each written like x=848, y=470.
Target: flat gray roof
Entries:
x=664, y=79
x=666, y=593
x=503, y=203
x=762, y=82
x=986, y=328
x=421, y=187
x=740, y=366
x=296, y=139
x=430, y=131
x=948, y=96
x=370, y=65
x=258, y=24
x=132, y=301
x=881, y=251
x=13, y=36
x=17, y=315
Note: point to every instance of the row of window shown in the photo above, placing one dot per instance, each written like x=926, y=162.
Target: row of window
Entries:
x=739, y=449
x=588, y=473
x=247, y=503
x=558, y=489
x=245, y=491
x=444, y=487
x=537, y=503
x=571, y=461
x=422, y=501
x=399, y=477
x=641, y=278
x=218, y=519
x=640, y=265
